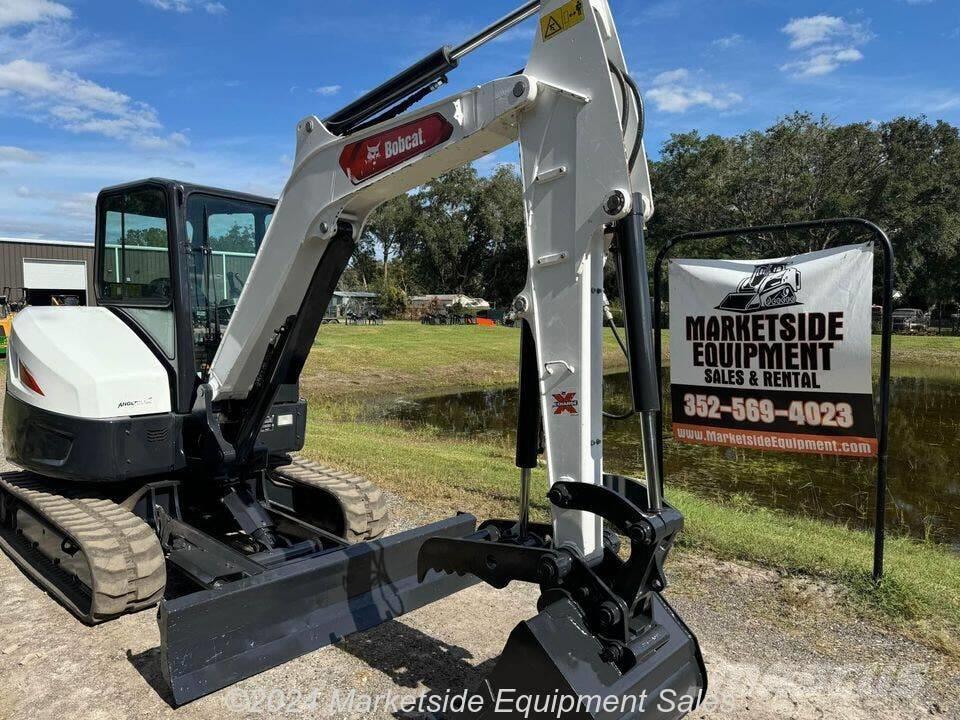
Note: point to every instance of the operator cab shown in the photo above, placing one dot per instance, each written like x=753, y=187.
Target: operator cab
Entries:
x=171, y=263
x=172, y=259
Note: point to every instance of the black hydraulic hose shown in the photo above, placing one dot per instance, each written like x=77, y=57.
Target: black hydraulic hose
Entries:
x=616, y=336
x=625, y=111
x=641, y=120
x=624, y=80
x=403, y=106
x=528, y=406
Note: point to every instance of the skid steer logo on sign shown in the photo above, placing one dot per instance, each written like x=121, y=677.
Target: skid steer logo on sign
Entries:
x=565, y=402
x=771, y=285
x=374, y=155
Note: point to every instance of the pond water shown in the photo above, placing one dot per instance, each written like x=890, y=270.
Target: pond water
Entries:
x=924, y=470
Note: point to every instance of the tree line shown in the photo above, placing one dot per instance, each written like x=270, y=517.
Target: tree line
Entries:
x=464, y=233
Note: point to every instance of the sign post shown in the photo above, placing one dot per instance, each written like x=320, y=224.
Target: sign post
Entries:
x=776, y=354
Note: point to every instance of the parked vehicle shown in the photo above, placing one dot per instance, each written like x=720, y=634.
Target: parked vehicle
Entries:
x=910, y=320
x=8, y=308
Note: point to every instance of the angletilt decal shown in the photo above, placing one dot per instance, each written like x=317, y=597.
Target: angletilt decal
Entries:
x=374, y=155
x=774, y=354
x=565, y=403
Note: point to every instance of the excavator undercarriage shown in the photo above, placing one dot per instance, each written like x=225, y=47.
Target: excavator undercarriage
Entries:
x=102, y=551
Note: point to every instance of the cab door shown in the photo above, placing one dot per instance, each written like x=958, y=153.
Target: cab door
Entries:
x=223, y=235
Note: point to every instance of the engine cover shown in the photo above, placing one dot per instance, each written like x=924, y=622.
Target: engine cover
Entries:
x=84, y=362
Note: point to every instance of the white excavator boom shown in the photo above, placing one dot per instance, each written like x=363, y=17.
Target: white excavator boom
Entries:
x=566, y=109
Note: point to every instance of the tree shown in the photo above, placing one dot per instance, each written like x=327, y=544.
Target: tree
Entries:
x=393, y=300
x=500, y=221
x=393, y=228
x=903, y=174
x=449, y=251
x=363, y=268
x=146, y=237
x=239, y=238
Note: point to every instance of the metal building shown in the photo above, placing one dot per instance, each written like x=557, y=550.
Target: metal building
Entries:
x=44, y=269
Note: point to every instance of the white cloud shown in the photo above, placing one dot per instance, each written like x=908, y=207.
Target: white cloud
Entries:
x=185, y=6
x=672, y=76
x=180, y=6
x=65, y=99
x=328, y=90
x=822, y=63
x=61, y=44
x=62, y=188
x=808, y=31
x=22, y=12
x=9, y=154
x=675, y=91
x=81, y=206
x=730, y=41
x=827, y=42
x=948, y=104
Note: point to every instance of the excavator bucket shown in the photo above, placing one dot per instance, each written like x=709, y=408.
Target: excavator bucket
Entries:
x=605, y=645
x=552, y=664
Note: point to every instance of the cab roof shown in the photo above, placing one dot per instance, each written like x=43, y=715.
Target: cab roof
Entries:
x=188, y=188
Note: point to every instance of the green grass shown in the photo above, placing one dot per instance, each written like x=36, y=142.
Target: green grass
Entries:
x=351, y=367
x=406, y=358
x=921, y=587
x=922, y=350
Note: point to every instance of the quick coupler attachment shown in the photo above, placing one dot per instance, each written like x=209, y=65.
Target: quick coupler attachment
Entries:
x=214, y=638
x=605, y=643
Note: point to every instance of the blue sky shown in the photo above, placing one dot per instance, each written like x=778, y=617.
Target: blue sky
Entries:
x=96, y=92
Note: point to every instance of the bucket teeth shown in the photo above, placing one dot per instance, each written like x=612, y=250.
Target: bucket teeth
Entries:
x=119, y=565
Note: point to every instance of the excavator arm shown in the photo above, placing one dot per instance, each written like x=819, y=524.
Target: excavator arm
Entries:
x=583, y=166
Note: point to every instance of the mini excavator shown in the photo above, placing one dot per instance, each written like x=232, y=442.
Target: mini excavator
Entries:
x=159, y=452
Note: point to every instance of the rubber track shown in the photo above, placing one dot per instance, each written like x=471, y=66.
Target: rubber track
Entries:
x=124, y=556
x=363, y=503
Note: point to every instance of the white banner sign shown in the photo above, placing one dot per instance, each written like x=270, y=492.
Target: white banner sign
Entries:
x=774, y=354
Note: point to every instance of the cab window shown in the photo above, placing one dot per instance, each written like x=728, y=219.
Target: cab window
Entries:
x=135, y=262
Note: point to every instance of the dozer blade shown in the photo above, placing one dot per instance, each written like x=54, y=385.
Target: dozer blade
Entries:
x=738, y=301
x=214, y=638
x=553, y=664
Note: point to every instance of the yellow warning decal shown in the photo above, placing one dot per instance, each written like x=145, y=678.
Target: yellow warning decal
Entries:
x=563, y=19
